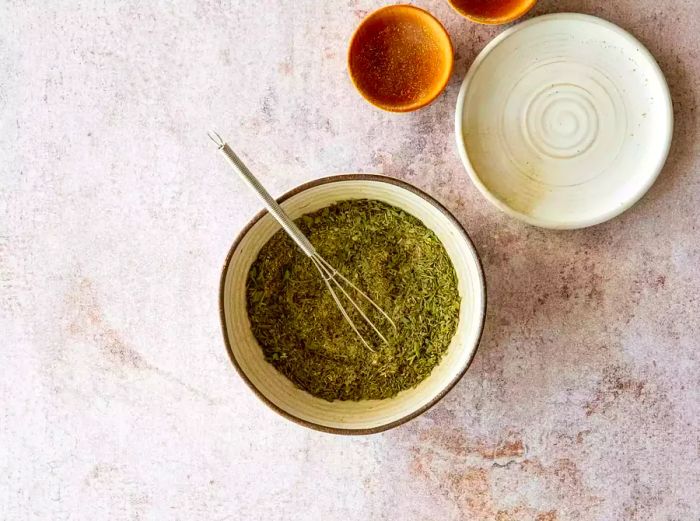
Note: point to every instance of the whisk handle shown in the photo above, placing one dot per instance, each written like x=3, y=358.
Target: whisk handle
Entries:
x=275, y=209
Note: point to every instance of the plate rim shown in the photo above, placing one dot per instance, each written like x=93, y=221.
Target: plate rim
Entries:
x=645, y=183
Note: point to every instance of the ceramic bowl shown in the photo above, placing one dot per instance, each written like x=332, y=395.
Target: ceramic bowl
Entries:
x=564, y=121
x=348, y=417
x=494, y=12
x=400, y=58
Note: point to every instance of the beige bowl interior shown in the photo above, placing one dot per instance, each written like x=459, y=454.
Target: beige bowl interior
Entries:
x=370, y=414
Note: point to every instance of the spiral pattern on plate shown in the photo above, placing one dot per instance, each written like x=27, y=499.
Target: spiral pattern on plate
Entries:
x=563, y=120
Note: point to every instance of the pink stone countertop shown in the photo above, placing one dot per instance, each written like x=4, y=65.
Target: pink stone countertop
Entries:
x=117, y=398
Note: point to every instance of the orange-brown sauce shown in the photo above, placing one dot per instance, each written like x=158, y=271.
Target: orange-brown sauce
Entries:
x=490, y=9
x=397, y=60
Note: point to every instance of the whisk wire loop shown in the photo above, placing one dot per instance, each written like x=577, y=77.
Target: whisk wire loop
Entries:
x=340, y=306
x=331, y=277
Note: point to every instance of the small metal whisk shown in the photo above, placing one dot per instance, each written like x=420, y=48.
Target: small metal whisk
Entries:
x=329, y=274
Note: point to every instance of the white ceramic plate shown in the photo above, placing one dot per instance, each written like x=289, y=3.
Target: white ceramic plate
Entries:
x=564, y=121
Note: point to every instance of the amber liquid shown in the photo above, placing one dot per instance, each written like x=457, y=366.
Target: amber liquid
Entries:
x=396, y=60
x=491, y=9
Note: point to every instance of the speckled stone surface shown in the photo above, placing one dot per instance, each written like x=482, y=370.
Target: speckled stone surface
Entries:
x=117, y=398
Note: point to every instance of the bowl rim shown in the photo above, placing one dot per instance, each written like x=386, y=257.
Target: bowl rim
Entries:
x=334, y=179
x=410, y=107
x=502, y=20
x=643, y=186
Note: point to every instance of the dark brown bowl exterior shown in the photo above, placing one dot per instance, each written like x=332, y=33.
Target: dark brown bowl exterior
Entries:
x=291, y=193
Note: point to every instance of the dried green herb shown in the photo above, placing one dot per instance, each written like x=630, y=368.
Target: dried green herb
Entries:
x=386, y=252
